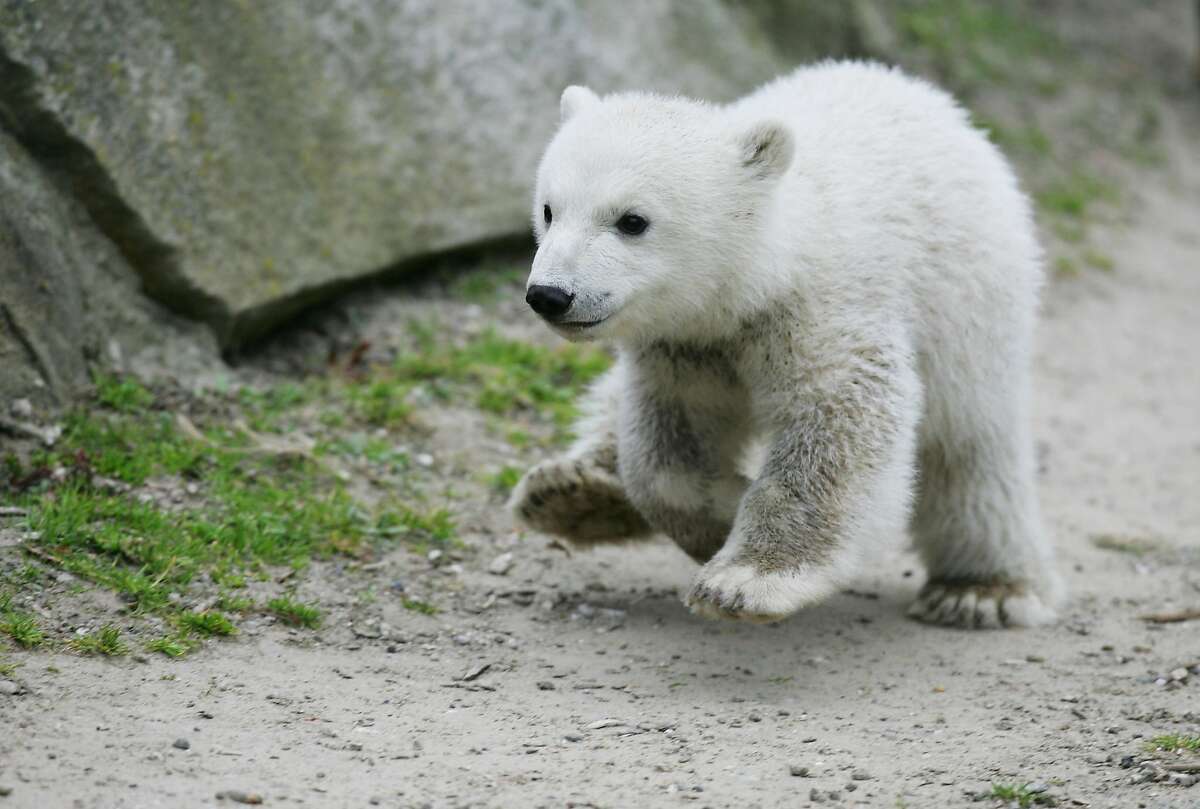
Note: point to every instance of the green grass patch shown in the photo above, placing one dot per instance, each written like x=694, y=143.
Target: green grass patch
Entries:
x=206, y=623
x=422, y=607
x=1065, y=266
x=420, y=527
x=977, y=42
x=1020, y=795
x=232, y=603
x=176, y=645
x=1097, y=260
x=506, y=377
x=251, y=510
x=506, y=479
x=1027, y=140
x=381, y=402
x=1075, y=195
x=1174, y=741
x=502, y=377
x=122, y=394
x=21, y=627
x=104, y=641
x=487, y=285
x=294, y=612
x=268, y=409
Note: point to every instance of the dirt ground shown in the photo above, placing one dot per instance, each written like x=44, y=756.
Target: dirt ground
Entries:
x=580, y=680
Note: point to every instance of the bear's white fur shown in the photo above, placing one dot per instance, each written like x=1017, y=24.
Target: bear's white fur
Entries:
x=838, y=268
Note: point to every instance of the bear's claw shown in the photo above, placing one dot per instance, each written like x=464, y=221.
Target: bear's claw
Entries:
x=981, y=605
x=737, y=591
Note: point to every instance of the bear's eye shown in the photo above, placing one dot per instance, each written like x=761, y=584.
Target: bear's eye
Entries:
x=547, y=216
x=632, y=225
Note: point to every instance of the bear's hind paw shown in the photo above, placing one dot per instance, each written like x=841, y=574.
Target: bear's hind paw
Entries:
x=981, y=605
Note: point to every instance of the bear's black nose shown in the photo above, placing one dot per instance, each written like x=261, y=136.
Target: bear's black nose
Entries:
x=547, y=301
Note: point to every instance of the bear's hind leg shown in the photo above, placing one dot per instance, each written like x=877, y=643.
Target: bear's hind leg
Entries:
x=977, y=528
x=579, y=496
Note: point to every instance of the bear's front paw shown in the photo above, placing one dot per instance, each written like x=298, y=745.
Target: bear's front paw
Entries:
x=982, y=604
x=577, y=499
x=726, y=588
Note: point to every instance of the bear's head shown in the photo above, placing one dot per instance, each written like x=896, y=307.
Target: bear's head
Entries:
x=648, y=216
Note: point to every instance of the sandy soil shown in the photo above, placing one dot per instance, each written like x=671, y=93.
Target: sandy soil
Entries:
x=581, y=681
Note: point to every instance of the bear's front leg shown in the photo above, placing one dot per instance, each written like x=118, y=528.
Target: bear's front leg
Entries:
x=684, y=421
x=578, y=495
x=837, y=477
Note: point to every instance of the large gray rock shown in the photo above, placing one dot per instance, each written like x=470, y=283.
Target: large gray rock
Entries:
x=249, y=157
x=41, y=303
x=68, y=297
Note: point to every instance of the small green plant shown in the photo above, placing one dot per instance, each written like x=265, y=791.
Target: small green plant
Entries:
x=1174, y=741
x=176, y=645
x=103, y=641
x=20, y=626
x=206, y=623
x=8, y=669
x=506, y=479
x=231, y=603
x=486, y=285
x=1073, y=196
x=295, y=612
x=422, y=607
x=123, y=394
x=1098, y=260
x=1066, y=266
x=1021, y=795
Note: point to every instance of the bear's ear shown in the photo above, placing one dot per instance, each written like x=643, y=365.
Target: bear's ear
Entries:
x=766, y=149
x=574, y=99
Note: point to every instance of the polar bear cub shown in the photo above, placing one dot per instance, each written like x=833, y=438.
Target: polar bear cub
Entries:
x=837, y=267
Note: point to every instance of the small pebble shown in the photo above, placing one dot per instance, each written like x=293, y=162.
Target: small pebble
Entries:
x=9, y=687
x=5, y=790
x=423, y=459
x=181, y=744
x=573, y=737
x=237, y=796
x=860, y=775
x=545, y=685
x=798, y=771
x=501, y=564
x=600, y=724
x=816, y=796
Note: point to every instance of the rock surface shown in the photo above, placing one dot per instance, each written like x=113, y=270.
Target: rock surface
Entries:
x=249, y=158
x=67, y=296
